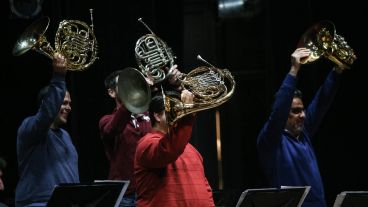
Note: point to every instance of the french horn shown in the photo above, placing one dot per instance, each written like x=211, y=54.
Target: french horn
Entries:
x=323, y=41
x=153, y=56
x=74, y=39
x=211, y=87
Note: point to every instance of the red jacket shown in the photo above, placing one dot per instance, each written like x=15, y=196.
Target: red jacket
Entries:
x=169, y=171
x=120, y=133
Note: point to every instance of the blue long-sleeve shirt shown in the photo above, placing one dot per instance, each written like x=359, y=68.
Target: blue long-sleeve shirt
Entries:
x=46, y=157
x=285, y=160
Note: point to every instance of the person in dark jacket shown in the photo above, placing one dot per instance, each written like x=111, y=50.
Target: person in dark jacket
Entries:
x=45, y=151
x=285, y=149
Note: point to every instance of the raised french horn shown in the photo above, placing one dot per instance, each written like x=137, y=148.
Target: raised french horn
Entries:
x=153, y=56
x=323, y=41
x=74, y=39
x=211, y=87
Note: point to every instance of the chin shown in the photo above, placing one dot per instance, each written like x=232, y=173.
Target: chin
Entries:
x=63, y=120
x=299, y=130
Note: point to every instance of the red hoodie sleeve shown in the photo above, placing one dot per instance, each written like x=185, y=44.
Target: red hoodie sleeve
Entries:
x=113, y=124
x=156, y=149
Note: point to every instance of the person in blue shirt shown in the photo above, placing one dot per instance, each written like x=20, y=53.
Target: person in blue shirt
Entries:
x=285, y=150
x=45, y=152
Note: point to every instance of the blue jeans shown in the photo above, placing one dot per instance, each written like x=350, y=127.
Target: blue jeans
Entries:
x=128, y=200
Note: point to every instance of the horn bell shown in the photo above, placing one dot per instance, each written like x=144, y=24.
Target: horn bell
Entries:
x=317, y=39
x=30, y=37
x=133, y=90
x=322, y=40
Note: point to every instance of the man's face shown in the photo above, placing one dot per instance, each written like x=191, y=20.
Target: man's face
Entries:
x=295, y=122
x=64, y=110
x=113, y=92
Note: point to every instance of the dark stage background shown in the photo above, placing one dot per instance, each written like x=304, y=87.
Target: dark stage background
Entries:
x=254, y=43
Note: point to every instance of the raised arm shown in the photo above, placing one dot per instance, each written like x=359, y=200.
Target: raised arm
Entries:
x=271, y=131
x=322, y=101
x=158, y=149
x=35, y=128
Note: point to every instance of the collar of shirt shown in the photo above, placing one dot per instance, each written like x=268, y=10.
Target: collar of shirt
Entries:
x=136, y=117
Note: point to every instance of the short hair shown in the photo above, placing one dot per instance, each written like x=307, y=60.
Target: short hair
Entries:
x=42, y=93
x=2, y=164
x=157, y=104
x=110, y=80
x=298, y=94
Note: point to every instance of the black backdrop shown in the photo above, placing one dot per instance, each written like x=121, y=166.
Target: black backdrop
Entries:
x=254, y=46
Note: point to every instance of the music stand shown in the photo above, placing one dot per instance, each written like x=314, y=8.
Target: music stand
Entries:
x=286, y=196
x=93, y=194
x=352, y=199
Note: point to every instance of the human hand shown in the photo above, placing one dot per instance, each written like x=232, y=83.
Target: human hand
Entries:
x=299, y=54
x=59, y=63
x=174, y=76
x=296, y=59
x=149, y=80
x=187, y=97
x=338, y=69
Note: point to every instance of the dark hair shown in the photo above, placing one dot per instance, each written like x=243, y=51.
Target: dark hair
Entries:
x=298, y=94
x=2, y=164
x=110, y=80
x=157, y=104
x=42, y=93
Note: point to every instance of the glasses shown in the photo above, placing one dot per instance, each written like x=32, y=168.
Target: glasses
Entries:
x=296, y=110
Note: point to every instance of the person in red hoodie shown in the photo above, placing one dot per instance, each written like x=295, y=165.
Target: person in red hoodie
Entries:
x=121, y=130
x=168, y=170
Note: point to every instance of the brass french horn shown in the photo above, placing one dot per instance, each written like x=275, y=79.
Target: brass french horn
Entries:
x=211, y=87
x=153, y=56
x=133, y=90
x=74, y=39
x=323, y=41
